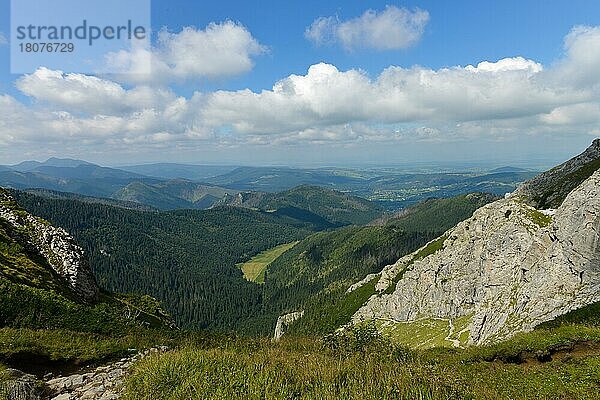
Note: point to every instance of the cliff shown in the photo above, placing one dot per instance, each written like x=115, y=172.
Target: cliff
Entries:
x=505, y=270
x=54, y=245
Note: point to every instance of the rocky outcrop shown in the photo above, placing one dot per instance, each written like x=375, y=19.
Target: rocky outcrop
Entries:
x=284, y=321
x=18, y=385
x=103, y=383
x=59, y=249
x=507, y=269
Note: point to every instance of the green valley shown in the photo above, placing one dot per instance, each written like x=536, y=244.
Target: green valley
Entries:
x=302, y=263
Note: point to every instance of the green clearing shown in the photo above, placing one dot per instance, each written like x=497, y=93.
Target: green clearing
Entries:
x=427, y=333
x=254, y=269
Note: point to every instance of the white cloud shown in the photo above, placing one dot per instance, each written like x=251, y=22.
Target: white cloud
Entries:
x=87, y=109
x=84, y=93
x=512, y=89
x=393, y=28
x=3, y=39
x=220, y=50
x=504, y=98
x=507, y=64
x=583, y=113
x=326, y=96
x=581, y=65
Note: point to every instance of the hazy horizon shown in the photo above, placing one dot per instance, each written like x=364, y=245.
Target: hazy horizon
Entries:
x=520, y=157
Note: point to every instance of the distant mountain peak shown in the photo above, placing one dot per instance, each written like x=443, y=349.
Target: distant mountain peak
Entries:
x=27, y=166
x=65, y=160
x=507, y=168
x=549, y=189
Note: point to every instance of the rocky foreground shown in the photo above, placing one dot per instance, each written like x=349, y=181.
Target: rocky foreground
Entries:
x=101, y=383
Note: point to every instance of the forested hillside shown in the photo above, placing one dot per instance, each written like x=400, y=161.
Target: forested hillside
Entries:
x=186, y=259
x=437, y=215
x=172, y=194
x=36, y=292
x=314, y=275
x=336, y=207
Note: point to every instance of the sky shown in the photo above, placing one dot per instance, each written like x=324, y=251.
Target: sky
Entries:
x=322, y=83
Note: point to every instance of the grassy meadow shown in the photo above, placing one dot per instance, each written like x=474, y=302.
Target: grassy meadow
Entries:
x=254, y=269
x=558, y=361
x=554, y=363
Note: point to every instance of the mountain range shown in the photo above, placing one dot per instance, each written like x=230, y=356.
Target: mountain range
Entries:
x=175, y=186
x=498, y=281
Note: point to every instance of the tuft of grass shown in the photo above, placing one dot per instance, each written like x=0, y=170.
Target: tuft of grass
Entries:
x=272, y=372
x=540, y=219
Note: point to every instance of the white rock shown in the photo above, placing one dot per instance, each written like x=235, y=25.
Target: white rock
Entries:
x=284, y=321
x=502, y=268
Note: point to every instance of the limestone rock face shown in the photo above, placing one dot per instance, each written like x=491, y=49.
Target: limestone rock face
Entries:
x=508, y=268
x=65, y=257
x=20, y=386
x=284, y=321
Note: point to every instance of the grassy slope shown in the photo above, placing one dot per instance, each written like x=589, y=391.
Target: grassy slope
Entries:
x=254, y=269
x=561, y=362
x=558, y=363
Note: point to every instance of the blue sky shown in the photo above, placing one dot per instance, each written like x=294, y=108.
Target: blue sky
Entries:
x=223, y=124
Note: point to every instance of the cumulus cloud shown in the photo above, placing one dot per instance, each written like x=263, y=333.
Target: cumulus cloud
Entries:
x=3, y=39
x=391, y=29
x=507, y=64
x=580, y=66
x=511, y=96
x=19, y=124
x=220, y=50
x=90, y=94
x=88, y=109
x=326, y=96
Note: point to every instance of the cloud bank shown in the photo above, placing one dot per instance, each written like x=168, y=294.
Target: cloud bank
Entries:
x=502, y=98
